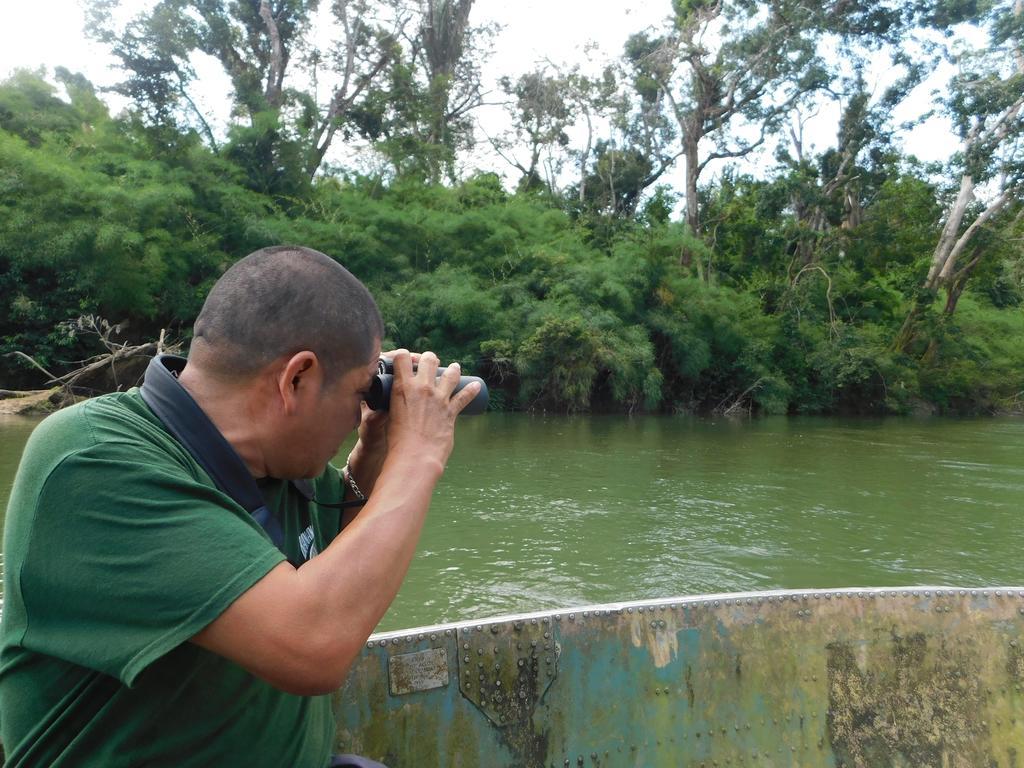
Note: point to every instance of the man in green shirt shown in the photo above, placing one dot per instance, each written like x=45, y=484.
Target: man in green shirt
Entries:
x=149, y=618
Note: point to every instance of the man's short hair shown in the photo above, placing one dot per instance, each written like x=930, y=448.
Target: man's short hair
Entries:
x=282, y=300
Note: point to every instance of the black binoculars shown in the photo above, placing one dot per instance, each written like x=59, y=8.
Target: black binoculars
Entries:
x=379, y=396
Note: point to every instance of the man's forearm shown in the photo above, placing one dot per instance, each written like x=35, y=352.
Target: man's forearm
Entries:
x=350, y=585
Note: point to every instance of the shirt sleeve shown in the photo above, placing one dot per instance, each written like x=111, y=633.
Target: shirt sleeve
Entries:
x=129, y=557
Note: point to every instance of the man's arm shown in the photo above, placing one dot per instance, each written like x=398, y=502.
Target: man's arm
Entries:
x=300, y=629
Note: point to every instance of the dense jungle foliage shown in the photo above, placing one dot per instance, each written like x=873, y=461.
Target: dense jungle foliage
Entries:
x=802, y=290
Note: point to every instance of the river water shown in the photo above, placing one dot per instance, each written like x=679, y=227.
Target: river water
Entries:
x=545, y=512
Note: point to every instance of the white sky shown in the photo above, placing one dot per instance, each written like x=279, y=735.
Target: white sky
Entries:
x=50, y=33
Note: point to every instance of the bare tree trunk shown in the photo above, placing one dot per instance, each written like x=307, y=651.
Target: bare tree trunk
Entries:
x=854, y=211
x=692, y=172
x=993, y=208
x=275, y=78
x=959, y=282
x=585, y=157
x=950, y=231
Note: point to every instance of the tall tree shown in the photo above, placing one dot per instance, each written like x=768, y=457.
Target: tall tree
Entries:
x=985, y=101
x=593, y=99
x=424, y=118
x=731, y=69
x=640, y=144
x=541, y=116
x=259, y=44
x=830, y=191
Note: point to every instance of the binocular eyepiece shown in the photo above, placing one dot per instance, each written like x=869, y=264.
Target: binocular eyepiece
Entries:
x=379, y=396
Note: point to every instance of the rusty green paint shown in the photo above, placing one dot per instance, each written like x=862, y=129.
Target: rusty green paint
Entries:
x=909, y=677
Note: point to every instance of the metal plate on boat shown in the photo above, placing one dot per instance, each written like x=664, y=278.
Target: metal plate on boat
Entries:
x=419, y=671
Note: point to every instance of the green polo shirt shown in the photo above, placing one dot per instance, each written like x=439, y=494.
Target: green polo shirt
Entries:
x=119, y=548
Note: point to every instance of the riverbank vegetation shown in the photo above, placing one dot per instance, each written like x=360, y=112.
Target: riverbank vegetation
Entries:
x=854, y=279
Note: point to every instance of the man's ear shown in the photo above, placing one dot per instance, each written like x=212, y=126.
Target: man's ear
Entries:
x=299, y=377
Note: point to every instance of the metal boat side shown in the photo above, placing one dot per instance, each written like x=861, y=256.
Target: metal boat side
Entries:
x=847, y=677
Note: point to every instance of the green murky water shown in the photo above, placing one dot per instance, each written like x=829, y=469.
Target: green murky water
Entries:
x=544, y=512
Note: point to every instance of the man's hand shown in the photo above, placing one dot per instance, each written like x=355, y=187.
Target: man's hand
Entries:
x=423, y=410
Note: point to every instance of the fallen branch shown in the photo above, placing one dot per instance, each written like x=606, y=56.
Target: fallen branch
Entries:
x=739, y=398
x=118, y=354
x=16, y=353
x=68, y=380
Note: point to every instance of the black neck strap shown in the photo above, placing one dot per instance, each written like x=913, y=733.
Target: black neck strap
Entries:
x=191, y=427
x=184, y=419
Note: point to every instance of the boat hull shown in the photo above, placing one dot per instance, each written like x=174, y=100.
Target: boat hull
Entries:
x=857, y=677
